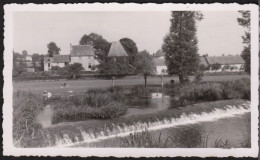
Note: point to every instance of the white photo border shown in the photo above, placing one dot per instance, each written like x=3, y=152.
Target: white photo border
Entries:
x=9, y=149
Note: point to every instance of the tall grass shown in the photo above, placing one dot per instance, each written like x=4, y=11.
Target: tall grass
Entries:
x=209, y=91
x=26, y=107
x=94, y=104
x=146, y=140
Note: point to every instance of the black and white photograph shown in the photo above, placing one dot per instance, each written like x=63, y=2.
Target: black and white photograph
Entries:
x=128, y=79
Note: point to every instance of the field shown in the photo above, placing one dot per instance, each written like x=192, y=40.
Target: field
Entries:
x=83, y=85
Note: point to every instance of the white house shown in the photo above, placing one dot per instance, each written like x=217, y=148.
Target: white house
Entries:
x=57, y=60
x=83, y=54
x=159, y=61
x=227, y=63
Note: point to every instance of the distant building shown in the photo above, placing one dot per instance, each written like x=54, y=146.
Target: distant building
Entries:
x=159, y=62
x=57, y=60
x=117, y=52
x=28, y=58
x=83, y=54
x=226, y=63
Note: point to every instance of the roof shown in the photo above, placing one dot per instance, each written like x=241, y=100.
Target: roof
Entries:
x=61, y=58
x=203, y=61
x=82, y=50
x=226, y=60
x=159, y=62
x=57, y=59
x=117, y=50
x=159, y=53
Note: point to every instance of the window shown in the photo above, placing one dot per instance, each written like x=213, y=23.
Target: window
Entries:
x=89, y=65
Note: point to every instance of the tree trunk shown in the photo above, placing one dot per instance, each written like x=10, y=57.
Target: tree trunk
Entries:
x=74, y=76
x=162, y=81
x=145, y=81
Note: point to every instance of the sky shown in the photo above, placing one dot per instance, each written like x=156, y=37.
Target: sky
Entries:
x=218, y=33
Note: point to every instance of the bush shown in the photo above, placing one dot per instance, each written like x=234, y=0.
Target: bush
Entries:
x=26, y=106
x=237, y=89
x=94, y=104
x=70, y=112
x=209, y=91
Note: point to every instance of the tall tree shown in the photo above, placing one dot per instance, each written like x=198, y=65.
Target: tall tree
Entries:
x=245, y=22
x=144, y=65
x=101, y=45
x=25, y=53
x=19, y=65
x=38, y=60
x=53, y=49
x=180, y=45
x=130, y=48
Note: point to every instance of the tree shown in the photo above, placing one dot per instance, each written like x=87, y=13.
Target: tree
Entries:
x=144, y=65
x=74, y=69
x=245, y=22
x=38, y=61
x=180, y=45
x=215, y=66
x=24, y=53
x=101, y=46
x=112, y=67
x=130, y=48
x=19, y=65
x=53, y=49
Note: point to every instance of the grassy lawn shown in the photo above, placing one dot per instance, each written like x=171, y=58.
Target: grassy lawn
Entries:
x=83, y=85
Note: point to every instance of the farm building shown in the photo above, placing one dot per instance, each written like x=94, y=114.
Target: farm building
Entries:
x=83, y=54
x=225, y=63
x=57, y=60
x=117, y=52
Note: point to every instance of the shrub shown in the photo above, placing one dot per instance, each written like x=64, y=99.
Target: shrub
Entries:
x=26, y=106
x=237, y=89
x=94, y=104
x=198, y=76
x=70, y=112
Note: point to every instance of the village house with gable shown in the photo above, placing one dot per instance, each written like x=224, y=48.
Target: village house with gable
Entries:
x=83, y=54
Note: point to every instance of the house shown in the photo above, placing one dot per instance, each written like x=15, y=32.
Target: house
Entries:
x=83, y=54
x=159, y=62
x=225, y=63
x=57, y=60
x=117, y=52
x=161, y=68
